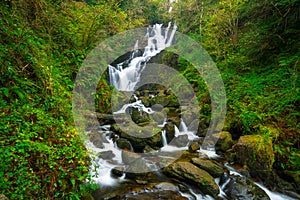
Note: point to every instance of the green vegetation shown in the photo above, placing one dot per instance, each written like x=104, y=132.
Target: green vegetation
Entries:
x=256, y=46
x=43, y=43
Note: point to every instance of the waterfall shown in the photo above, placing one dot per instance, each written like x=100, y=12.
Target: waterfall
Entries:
x=164, y=138
x=183, y=127
x=125, y=78
x=177, y=132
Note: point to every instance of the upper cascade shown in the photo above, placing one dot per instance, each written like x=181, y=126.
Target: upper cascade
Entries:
x=125, y=78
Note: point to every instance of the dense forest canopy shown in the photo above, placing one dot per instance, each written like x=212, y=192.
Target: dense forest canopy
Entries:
x=43, y=43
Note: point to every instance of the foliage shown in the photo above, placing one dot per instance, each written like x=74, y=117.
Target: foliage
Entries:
x=43, y=43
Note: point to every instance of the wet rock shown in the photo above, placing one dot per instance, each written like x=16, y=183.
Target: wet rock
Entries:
x=180, y=141
x=256, y=152
x=106, y=155
x=129, y=157
x=170, y=131
x=190, y=173
x=224, y=141
x=244, y=189
x=123, y=144
x=194, y=146
x=209, y=166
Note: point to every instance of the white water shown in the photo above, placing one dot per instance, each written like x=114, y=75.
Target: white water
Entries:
x=164, y=138
x=125, y=78
x=138, y=104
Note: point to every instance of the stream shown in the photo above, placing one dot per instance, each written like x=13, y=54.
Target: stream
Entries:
x=112, y=150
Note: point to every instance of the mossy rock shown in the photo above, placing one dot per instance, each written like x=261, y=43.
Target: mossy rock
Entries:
x=190, y=173
x=139, y=137
x=256, y=152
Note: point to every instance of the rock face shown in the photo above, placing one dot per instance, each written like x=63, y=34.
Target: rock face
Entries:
x=256, y=153
x=243, y=189
x=189, y=172
x=209, y=166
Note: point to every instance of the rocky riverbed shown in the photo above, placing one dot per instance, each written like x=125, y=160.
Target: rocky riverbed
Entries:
x=168, y=162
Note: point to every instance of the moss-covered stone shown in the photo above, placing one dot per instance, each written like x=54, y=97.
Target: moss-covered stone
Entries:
x=256, y=152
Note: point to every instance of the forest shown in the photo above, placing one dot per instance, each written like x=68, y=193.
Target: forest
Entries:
x=43, y=44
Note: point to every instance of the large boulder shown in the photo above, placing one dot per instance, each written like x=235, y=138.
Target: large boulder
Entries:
x=256, y=152
x=190, y=173
x=244, y=189
x=209, y=166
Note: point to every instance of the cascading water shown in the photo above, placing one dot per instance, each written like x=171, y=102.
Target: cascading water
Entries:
x=125, y=78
